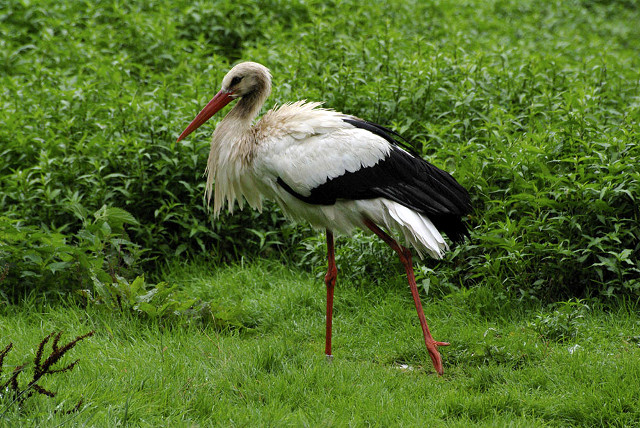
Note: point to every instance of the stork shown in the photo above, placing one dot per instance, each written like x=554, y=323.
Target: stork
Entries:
x=334, y=170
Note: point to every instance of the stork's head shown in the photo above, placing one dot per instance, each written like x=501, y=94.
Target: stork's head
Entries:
x=248, y=80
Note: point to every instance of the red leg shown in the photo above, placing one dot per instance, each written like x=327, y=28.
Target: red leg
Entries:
x=330, y=282
x=405, y=258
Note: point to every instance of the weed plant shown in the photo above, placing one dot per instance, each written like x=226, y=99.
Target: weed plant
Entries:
x=43, y=367
x=532, y=105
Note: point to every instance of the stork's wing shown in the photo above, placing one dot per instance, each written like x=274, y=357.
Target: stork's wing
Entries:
x=361, y=160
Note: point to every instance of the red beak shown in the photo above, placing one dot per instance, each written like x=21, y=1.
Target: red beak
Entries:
x=220, y=100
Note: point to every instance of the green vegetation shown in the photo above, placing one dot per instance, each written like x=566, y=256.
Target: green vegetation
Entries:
x=532, y=105
x=532, y=367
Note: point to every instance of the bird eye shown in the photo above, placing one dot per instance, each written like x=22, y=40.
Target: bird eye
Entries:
x=236, y=80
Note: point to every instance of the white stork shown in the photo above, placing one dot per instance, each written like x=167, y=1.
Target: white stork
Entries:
x=336, y=171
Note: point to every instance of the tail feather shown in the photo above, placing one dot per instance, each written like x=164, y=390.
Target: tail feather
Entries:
x=417, y=229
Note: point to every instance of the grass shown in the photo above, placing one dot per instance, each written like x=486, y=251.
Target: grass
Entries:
x=509, y=368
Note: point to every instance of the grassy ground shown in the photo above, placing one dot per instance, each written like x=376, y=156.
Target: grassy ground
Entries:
x=569, y=365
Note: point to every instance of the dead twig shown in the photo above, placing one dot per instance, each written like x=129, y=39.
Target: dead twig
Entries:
x=43, y=366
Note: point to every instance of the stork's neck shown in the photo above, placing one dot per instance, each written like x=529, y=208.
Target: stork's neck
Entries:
x=234, y=135
x=248, y=107
x=236, y=129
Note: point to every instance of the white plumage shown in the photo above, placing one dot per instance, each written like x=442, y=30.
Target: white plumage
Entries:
x=333, y=170
x=290, y=137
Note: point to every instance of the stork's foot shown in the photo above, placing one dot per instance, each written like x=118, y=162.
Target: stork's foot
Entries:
x=436, y=359
x=329, y=358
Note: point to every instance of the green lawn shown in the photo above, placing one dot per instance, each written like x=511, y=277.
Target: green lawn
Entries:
x=569, y=366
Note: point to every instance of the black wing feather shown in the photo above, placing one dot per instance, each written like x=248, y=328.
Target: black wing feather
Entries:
x=403, y=177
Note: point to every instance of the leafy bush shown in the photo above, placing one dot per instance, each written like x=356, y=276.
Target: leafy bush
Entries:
x=156, y=301
x=532, y=106
x=43, y=260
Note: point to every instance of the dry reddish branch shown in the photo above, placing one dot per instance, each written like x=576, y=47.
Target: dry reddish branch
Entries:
x=41, y=368
x=3, y=353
